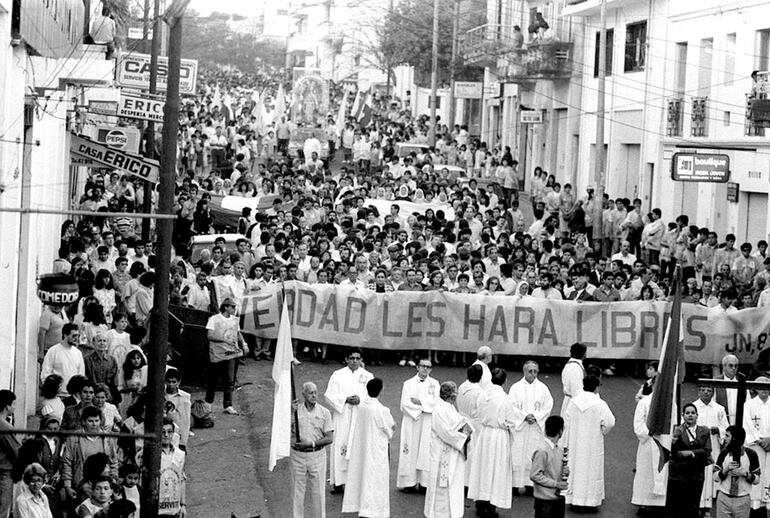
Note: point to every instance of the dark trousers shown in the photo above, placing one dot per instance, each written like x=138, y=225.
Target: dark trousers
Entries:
x=218, y=157
x=549, y=508
x=226, y=371
x=683, y=498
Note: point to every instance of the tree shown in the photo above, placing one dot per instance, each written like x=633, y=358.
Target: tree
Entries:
x=212, y=41
x=405, y=37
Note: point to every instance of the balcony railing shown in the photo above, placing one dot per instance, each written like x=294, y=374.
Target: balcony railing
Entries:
x=757, y=114
x=547, y=60
x=483, y=45
x=675, y=118
x=699, y=118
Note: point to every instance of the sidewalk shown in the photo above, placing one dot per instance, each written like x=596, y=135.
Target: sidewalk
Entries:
x=221, y=476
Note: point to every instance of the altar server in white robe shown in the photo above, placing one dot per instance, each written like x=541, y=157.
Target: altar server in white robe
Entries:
x=572, y=375
x=419, y=396
x=714, y=416
x=491, y=472
x=346, y=389
x=649, y=483
x=468, y=398
x=367, y=491
x=756, y=422
x=534, y=402
x=588, y=420
x=450, y=435
x=484, y=358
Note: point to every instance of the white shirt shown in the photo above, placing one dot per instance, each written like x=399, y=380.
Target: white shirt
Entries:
x=64, y=360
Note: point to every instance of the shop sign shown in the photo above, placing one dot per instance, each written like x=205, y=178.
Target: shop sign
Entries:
x=700, y=167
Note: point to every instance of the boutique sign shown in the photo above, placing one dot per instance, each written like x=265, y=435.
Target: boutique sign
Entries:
x=697, y=167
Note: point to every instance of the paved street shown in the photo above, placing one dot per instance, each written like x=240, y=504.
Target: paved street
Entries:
x=228, y=464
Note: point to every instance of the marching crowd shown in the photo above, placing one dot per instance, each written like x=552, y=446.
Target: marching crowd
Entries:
x=371, y=218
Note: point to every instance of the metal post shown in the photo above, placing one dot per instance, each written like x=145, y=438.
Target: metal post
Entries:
x=453, y=66
x=434, y=74
x=599, y=173
x=149, y=134
x=159, y=317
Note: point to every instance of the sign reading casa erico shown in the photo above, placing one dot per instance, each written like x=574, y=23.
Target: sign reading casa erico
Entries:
x=107, y=156
x=700, y=167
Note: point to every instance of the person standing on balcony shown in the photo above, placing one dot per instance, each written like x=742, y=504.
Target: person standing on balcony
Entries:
x=517, y=39
x=103, y=31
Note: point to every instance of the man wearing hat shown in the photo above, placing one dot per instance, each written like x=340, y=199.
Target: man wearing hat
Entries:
x=226, y=345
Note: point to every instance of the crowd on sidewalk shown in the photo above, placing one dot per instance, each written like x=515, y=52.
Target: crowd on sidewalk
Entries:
x=362, y=217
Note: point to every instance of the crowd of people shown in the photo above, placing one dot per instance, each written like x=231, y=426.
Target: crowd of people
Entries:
x=362, y=216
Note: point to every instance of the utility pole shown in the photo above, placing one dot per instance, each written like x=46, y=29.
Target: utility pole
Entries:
x=165, y=228
x=434, y=75
x=599, y=173
x=149, y=134
x=453, y=65
x=388, y=64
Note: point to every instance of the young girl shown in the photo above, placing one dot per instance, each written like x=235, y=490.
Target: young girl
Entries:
x=135, y=370
x=105, y=294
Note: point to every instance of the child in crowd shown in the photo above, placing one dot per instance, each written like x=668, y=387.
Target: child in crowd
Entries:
x=129, y=484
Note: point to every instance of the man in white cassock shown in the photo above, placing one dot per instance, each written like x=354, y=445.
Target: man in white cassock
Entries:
x=450, y=435
x=534, y=403
x=649, y=488
x=491, y=472
x=756, y=422
x=588, y=419
x=346, y=389
x=419, y=396
x=468, y=398
x=572, y=375
x=367, y=491
x=712, y=415
x=484, y=358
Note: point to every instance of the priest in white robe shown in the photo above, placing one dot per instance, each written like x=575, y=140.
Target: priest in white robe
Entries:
x=419, y=396
x=712, y=415
x=572, y=375
x=345, y=391
x=491, y=472
x=534, y=403
x=469, y=396
x=367, y=491
x=649, y=484
x=450, y=436
x=756, y=422
x=588, y=420
x=484, y=358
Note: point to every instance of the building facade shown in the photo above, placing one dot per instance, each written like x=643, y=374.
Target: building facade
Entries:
x=47, y=72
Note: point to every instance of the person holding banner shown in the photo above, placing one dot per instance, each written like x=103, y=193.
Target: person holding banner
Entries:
x=346, y=389
x=226, y=345
x=308, y=455
x=419, y=396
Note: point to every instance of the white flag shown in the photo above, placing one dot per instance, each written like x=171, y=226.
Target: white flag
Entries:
x=280, y=436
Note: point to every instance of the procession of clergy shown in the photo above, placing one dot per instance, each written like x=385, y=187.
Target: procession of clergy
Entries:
x=478, y=442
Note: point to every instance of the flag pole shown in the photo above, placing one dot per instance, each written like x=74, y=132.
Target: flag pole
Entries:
x=681, y=364
x=293, y=383
x=294, y=398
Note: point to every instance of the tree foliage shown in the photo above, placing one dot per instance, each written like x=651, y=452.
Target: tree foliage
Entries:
x=212, y=41
x=405, y=37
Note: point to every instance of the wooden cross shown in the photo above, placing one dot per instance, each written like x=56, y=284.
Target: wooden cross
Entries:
x=742, y=385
